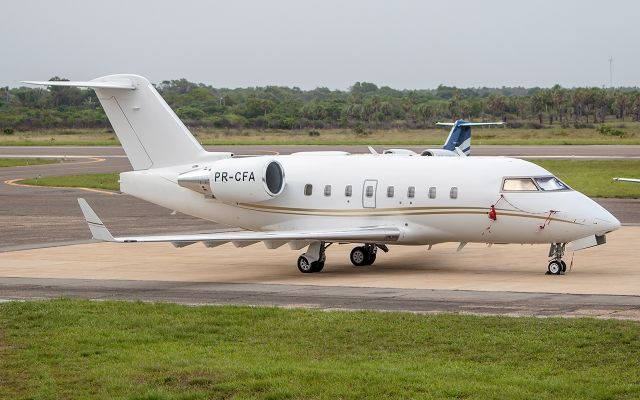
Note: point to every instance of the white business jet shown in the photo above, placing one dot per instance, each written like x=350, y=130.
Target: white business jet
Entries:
x=314, y=199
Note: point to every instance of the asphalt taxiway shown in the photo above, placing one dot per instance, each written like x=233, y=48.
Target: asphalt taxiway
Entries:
x=44, y=252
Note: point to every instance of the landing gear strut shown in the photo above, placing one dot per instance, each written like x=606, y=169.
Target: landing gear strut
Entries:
x=364, y=255
x=556, y=265
x=313, y=259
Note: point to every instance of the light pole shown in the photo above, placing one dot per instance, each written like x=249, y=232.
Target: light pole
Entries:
x=611, y=72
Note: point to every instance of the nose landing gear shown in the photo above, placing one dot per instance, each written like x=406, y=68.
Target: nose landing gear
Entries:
x=557, y=266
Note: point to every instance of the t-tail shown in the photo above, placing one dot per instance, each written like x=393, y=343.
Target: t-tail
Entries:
x=150, y=132
x=460, y=134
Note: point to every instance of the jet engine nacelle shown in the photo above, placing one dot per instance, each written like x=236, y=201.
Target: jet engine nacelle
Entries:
x=439, y=153
x=237, y=180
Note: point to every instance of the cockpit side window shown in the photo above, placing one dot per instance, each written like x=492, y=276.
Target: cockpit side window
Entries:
x=548, y=183
x=519, y=185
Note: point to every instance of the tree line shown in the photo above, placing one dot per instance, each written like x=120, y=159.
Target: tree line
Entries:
x=363, y=105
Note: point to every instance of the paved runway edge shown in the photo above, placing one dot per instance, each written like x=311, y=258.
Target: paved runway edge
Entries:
x=328, y=297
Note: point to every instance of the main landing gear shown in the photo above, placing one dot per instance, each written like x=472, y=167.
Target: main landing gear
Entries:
x=313, y=259
x=363, y=255
x=557, y=266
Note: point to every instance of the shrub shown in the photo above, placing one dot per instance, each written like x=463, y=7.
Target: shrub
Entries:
x=8, y=131
x=360, y=130
x=609, y=131
x=534, y=125
x=515, y=124
x=314, y=133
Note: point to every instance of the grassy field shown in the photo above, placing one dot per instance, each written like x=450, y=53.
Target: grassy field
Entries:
x=21, y=162
x=210, y=136
x=591, y=177
x=94, y=181
x=68, y=349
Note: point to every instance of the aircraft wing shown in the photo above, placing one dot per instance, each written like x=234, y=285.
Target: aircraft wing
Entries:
x=627, y=180
x=272, y=239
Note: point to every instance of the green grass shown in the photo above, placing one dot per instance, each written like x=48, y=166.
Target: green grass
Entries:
x=21, y=162
x=593, y=177
x=80, y=349
x=392, y=137
x=94, y=181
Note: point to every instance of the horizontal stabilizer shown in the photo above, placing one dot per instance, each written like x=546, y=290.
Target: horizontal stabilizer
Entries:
x=469, y=123
x=370, y=234
x=88, y=84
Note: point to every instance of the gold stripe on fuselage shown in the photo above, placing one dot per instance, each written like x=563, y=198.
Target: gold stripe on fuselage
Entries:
x=394, y=211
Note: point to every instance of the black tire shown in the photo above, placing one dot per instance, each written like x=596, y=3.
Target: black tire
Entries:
x=564, y=266
x=555, y=268
x=317, y=266
x=359, y=256
x=304, y=265
x=372, y=258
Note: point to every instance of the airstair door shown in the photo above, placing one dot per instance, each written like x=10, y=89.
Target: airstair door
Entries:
x=369, y=190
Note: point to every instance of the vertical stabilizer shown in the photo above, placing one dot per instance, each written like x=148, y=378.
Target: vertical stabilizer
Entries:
x=150, y=132
x=460, y=134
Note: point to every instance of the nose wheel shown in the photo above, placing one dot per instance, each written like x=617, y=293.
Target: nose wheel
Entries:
x=557, y=266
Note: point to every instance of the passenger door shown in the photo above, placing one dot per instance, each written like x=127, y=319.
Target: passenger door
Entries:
x=369, y=190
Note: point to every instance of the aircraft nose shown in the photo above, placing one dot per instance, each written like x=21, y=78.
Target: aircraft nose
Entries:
x=606, y=222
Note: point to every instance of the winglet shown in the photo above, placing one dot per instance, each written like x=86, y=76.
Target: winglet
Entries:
x=97, y=228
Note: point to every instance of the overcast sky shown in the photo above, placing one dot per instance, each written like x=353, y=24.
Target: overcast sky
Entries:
x=332, y=43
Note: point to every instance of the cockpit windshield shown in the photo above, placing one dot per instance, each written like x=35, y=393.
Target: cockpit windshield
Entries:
x=519, y=185
x=533, y=184
x=548, y=183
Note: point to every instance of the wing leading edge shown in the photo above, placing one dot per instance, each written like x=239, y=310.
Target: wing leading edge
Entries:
x=273, y=239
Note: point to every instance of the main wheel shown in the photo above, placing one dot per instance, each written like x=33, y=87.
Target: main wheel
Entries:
x=359, y=256
x=372, y=258
x=564, y=266
x=555, y=267
x=304, y=265
x=317, y=266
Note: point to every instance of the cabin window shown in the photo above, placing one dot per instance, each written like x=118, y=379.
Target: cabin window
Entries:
x=453, y=193
x=390, y=191
x=411, y=192
x=327, y=190
x=432, y=192
x=348, y=191
x=519, y=185
x=308, y=189
x=369, y=191
x=548, y=183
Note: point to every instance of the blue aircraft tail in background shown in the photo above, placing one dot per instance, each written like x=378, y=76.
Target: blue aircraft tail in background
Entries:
x=460, y=134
